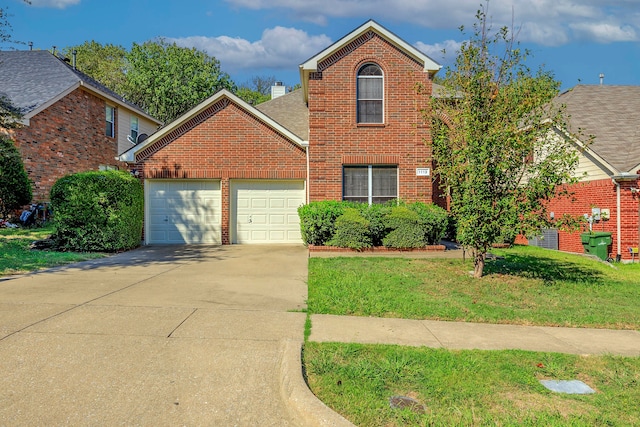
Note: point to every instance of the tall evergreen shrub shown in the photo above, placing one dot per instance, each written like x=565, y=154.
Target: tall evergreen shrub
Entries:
x=97, y=211
x=15, y=187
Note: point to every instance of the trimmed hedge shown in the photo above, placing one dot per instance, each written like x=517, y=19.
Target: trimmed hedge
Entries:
x=15, y=187
x=394, y=224
x=97, y=211
x=352, y=231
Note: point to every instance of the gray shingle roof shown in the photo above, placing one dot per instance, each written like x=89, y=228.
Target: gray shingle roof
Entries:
x=612, y=115
x=290, y=111
x=31, y=79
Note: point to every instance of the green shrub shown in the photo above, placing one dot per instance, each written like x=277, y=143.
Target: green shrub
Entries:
x=433, y=219
x=317, y=220
x=376, y=214
x=407, y=231
x=352, y=231
x=97, y=211
x=15, y=188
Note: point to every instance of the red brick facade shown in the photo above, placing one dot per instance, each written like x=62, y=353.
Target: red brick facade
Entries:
x=223, y=142
x=67, y=137
x=335, y=137
x=602, y=194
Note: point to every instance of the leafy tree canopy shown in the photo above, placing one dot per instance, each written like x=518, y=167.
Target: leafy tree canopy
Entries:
x=162, y=78
x=491, y=140
x=256, y=91
x=105, y=63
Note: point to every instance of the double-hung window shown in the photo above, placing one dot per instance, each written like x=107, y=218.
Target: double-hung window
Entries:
x=110, y=122
x=370, y=183
x=134, y=129
x=370, y=93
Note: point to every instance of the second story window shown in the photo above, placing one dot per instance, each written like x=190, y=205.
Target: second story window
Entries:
x=134, y=129
x=370, y=94
x=110, y=128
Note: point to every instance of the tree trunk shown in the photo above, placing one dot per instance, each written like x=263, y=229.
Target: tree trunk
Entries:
x=478, y=264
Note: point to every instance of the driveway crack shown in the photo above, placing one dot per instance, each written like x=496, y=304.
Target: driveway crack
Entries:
x=182, y=323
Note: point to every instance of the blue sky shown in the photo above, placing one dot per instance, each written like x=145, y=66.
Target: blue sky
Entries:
x=576, y=39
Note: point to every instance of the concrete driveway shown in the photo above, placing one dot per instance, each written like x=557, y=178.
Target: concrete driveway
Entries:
x=184, y=335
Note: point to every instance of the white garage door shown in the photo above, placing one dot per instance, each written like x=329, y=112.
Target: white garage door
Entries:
x=266, y=211
x=183, y=211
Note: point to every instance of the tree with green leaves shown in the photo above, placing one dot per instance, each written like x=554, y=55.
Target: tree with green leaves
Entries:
x=105, y=63
x=256, y=91
x=15, y=187
x=167, y=80
x=492, y=142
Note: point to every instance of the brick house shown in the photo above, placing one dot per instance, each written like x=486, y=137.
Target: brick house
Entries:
x=609, y=167
x=227, y=172
x=70, y=122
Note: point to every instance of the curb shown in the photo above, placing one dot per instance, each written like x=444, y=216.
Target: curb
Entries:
x=303, y=406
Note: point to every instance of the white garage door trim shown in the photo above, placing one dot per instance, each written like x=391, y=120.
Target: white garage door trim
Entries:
x=266, y=211
x=183, y=211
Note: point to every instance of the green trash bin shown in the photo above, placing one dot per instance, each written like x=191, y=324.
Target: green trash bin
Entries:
x=596, y=243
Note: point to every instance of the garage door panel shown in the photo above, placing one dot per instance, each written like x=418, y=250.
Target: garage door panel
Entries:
x=184, y=211
x=266, y=211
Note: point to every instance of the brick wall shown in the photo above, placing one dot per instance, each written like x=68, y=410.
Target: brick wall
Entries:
x=67, y=137
x=601, y=194
x=336, y=139
x=225, y=143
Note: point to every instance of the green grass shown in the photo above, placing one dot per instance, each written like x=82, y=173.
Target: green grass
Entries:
x=531, y=286
x=471, y=388
x=16, y=257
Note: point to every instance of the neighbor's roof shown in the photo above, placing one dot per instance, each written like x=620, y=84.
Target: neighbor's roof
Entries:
x=34, y=80
x=311, y=64
x=612, y=115
x=290, y=111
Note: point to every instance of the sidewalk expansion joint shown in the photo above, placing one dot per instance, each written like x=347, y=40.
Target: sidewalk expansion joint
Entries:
x=182, y=323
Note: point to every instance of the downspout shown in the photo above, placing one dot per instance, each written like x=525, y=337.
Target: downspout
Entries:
x=305, y=144
x=618, y=220
x=615, y=179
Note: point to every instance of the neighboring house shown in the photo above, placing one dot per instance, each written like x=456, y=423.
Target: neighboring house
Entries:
x=227, y=172
x=70, y=122
x=609, y=166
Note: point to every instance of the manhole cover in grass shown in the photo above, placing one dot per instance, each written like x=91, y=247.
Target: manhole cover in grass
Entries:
x=567, y=386
x=401, y=402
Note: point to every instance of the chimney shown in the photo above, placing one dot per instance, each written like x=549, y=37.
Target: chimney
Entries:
x=277, y=90
x=74, y=55
x=601, y=79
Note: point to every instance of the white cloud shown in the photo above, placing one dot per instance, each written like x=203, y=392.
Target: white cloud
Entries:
x=58, y=4
x=435, y=51
x=547, y=22
x=279, y=48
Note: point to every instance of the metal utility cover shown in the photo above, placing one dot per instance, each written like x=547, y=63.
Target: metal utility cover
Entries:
x=567, y=386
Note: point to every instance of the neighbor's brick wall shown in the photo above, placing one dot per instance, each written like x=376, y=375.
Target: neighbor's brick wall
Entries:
x=601, y=194
x=227, y=144
x=336, y=139
x=67, y=137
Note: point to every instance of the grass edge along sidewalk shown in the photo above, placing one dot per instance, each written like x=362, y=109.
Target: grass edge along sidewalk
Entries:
x=530, y=286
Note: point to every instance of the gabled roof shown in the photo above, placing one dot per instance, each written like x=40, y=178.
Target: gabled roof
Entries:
x=34, y=80
x=311, y=65
x=612, y=115
x=291, y=111
x=193, y=117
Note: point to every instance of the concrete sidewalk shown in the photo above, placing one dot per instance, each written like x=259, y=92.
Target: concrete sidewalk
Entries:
x=462, y=335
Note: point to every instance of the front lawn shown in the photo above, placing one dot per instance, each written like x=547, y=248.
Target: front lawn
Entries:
x=16, y=257
x=530, y=286
x=471, y=387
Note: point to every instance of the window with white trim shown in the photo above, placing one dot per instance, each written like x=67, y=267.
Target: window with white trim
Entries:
x=110, y=121
x=369, y=183
x=370, y=93
x=134, y=129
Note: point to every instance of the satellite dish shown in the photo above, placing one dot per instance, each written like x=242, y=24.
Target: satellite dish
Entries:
x=141, y=138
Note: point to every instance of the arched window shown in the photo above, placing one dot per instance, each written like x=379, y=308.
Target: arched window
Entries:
x=370, y=94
